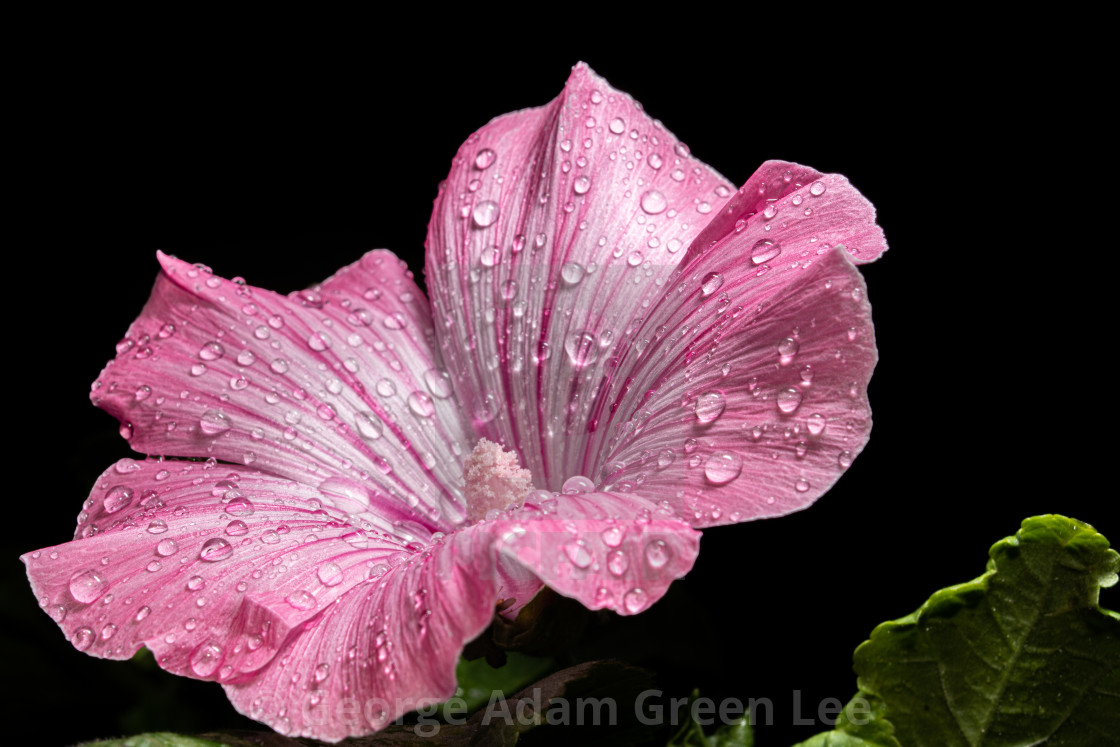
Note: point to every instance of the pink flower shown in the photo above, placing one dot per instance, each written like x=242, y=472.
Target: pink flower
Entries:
x=664, y=352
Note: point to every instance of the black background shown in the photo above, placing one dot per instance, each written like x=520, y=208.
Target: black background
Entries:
x=283, y=158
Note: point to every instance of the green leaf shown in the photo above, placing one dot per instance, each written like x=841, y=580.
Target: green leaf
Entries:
x=735, y=734
x=160, y=739
x=1022, y=655
x=477, y=679
x=860, y=724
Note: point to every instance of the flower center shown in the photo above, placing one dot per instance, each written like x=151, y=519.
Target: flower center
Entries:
x=494, y=480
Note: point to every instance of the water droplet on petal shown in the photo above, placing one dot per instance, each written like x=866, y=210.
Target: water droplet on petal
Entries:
x=577, y=484
x=87, y=586
x=845, y=459
x=712, y=282
x=579, y=554
x=789, y=400
x=801, y=486
x=817, y=189
x=421, y=405
x=617, y=562
x=213, y=423
x=237, y=528
x=710, y=406
x=329, y=574
x=485, y=213
x=302, y=600
x=214, y=550
x=635, y=601
x=612, y=536
x=369, y=425
x=167, y=547
x=571, y=272
x=206, y=659
x=159, y=526
x=82, y=638
x=765, y=250
x=816, y=424
x=722, y=467
x=211, y=351
x=485, y=159
x=581, y=185
x=116, y=498
x=240, y=506
x=658, y=554
x=438, y=382
x=582, y=348
x=617, y=125
x=654, y=202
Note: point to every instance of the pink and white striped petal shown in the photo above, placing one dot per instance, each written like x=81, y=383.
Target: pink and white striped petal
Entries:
x=211, y=567
x=554, y=232
x=384, y=648
x=744, y=393
x=336, y=386
x=607, y=550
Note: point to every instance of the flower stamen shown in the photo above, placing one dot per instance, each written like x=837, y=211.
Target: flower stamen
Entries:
x=494, y=480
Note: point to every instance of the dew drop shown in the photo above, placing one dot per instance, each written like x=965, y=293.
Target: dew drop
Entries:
x=577, y=484
x=572, y=272
x=653, y=202
x=87, y=586
x=582, y=348
x=635, y=601
x=302, y=600
x=722, y=467
x=240, y=506
x=817, y=189
x=206, y=659
x=116, y=498
x=816, y=424
x=421, y=405
x=438, y=383
x=617, y=562
x=612, y=536
x=765, y=250
x=159, y=526
x=801, y=486
x=710, y=406
x=789, y=400
x=485, y=159
x=213, y=423
x=237, y=528
x=581, y=185
x=82, y=638
x=329, y=574
x=713, y=281
x=369, y=425
x=167, y=547
x=214, y=550
x=658, y=554
x=211, y=351
x=485, y=213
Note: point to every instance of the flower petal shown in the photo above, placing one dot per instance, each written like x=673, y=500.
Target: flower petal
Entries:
x=334, y=386
x=209, y=566
x=383, y=649
x=556, y=227
x=608, y=550
x=744, y=393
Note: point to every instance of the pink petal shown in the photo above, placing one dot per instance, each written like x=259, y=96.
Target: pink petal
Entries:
x=209, y=566
x=744, y=394
x=385, y=648
x=555, y=229
x=336, y=386
x=608, y=550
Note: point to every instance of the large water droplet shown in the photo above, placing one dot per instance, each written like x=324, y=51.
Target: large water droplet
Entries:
x=765, y=250
x=159, y=526
x=438, y=382
x=582, y=348
x=579, y=554
x=577, y=484
x=658, y=554
x=635, y=601
x=302, y=600
x=369, y=425
x=485, y=159
x=816, y=424
x=206, y=659
x=329, y=574
x=571, y=272
x=712, y=282
x=653, y=202
x=167, y=547
x=421, y=405
x=116, y=498
x=722, y=467
x=581, y=185
x=240, y=506
x=82, y=638
x=710, y=406
x=214, y=550
x=665, y=458
x=617, y=562
x=211, y=351
x=485, y=213
x=612, y=536
x=213, y=423
x=789, y=400
x=237, y=528
x=87, y=586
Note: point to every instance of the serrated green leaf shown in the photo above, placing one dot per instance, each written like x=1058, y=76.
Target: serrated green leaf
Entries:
x=1020, y=655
